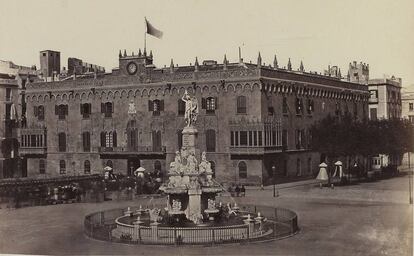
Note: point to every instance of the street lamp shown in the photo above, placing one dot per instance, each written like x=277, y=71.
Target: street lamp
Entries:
x=274, y=180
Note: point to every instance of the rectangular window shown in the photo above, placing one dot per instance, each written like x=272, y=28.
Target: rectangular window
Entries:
x=61, y=111
x=373, y=113
x=274, y=141
x=241, y=105
x=62, y=142
x=299, y=106
x=284, y=138
x=85, y=110
x=243, y=138
x=250, y=138
x=211, y=105
x=284, y=106
x=86, y=141
x=255, y=138
x=411, y=106
x=8, y=94
x=374, y=94
x=236, y=141
x=259, y=138
x=231, y=138
x=181, y=107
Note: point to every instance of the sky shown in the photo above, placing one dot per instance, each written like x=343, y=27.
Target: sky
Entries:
x=318, y=32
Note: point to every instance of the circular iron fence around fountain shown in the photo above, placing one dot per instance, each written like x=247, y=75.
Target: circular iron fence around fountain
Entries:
x=104, y=225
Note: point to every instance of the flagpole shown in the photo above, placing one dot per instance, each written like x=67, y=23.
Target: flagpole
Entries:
x=145, y=35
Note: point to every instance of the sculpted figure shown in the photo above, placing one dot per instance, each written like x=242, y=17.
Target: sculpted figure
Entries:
x=191, y=109
x=192, y=163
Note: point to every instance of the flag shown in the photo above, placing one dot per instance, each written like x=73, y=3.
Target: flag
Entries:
x=153, y=31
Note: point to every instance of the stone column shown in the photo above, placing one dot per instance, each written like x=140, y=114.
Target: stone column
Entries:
x=189, y=136
x=194, y=203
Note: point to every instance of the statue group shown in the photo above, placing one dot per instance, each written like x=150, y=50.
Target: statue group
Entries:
x=185, y=163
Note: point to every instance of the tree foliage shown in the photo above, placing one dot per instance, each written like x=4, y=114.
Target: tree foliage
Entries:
x=345, y=136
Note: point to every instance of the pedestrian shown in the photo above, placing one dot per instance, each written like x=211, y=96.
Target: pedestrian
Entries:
x=237, y=189
x=243, y=190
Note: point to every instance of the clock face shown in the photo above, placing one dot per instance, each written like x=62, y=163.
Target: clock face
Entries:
x=132, y=68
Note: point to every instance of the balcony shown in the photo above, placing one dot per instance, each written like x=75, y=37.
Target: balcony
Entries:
x=139, y=150
x=33, y=141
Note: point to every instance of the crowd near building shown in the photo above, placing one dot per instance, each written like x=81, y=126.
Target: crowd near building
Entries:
x=254, y=120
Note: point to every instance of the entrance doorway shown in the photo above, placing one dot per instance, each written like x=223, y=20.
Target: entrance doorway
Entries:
x=133, y=164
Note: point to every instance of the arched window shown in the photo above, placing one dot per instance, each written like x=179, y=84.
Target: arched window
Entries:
x=42, y=166
x=242, y=170
x=109, y=163
x=157, y=166
x=62, y=167
x=87, y=167
x=210, y=140
x=213, y=168
x=62, y=141
x=241, y=105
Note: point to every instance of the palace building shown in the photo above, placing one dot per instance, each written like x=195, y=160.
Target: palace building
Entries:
x=252, y=118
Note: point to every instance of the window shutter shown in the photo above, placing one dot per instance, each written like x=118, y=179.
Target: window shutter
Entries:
x=114, y=137
x=89, y=108
x=150, y=106
x=102, y=107
x=103, y=135
x=35, y=110
x=112, y=107
x=203, y=103
x=66, y=110
x=161, y=105
x=56, y=109
x=81, y=109
x=216, y=102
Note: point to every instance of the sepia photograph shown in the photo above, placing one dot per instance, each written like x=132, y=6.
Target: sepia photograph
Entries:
x=195, y=127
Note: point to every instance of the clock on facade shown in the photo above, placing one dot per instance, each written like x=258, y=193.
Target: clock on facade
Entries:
x=132, y=68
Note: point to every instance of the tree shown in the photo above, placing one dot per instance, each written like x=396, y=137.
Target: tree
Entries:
x=346, y=136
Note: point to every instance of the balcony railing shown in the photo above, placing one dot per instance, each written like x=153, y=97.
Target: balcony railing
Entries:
x=33, y=150
x=132, y=150
x=251, y=150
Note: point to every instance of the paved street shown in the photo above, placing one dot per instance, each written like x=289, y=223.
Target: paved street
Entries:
x=362, y=219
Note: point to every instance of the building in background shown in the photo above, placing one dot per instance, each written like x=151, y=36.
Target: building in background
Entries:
x=13, y=80
x=8, y=126
x=49, y=64
x=358, y=73
x=78, y=67
x=252, y=117
x=385, y=99
x=407, y=105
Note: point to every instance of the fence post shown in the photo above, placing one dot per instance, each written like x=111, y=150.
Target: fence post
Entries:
x=175, y=236
x=213, y=236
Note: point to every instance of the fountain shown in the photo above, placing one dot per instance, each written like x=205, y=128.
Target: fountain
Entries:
x=192, y=214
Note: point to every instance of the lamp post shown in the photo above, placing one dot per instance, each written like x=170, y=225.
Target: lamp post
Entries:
x=274, y=180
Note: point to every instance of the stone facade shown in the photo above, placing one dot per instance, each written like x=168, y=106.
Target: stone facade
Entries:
x=251, y=118
x=385, y=98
